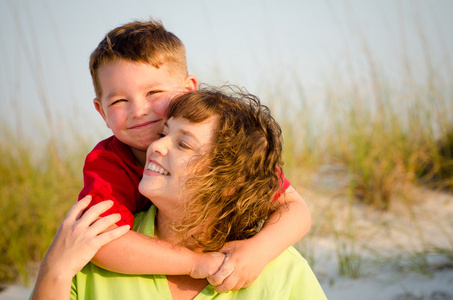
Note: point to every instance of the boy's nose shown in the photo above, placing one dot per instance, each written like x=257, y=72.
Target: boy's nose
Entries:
x=140, y=108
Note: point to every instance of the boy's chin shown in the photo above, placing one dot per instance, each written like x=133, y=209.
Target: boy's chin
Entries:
x=143, y=145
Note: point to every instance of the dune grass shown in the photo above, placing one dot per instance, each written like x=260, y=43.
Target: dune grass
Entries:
x=35, y=193
x=386, y=133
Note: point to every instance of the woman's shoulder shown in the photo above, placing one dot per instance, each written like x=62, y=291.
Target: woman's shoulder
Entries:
x=290, y=273
x=290, y=257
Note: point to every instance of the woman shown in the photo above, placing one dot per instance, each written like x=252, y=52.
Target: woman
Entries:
x=213, y=177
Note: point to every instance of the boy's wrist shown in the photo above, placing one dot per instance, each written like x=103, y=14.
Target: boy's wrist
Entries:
x=206, y=264
x=197, y=260
x=254, y=247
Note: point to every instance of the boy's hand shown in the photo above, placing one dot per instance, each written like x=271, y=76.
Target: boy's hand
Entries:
x=206, y=264
x=241, y=267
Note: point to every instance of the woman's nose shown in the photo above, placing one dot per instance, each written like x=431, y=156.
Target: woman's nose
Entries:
x=160, y=146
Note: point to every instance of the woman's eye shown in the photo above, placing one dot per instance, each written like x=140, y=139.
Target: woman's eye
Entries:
x=184, y=145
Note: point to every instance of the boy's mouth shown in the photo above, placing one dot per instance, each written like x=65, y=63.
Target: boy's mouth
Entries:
x=138, y=126
x=153, y=167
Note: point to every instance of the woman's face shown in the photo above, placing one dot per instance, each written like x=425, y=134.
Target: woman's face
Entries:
x=167, y=165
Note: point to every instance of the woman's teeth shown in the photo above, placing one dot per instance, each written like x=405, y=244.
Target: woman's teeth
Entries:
x=155, y=168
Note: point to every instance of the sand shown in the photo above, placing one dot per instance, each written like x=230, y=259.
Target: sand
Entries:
x=14, y=292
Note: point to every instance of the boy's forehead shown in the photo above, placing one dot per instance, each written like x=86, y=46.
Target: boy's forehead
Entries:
x=124, y=69
x=134, y=66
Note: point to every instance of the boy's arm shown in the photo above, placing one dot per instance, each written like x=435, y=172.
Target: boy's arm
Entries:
x=136, y=253
x=247, y=258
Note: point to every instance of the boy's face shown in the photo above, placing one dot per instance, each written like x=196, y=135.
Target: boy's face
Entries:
x=135, y=98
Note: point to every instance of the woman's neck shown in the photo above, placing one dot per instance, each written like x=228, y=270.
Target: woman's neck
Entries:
x=182, y=287
x=164, y=230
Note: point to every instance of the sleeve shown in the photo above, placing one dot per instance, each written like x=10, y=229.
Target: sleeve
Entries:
x=284, y=184
x=106, y=178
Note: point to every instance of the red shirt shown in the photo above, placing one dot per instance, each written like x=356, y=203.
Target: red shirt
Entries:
x=284, y=184
x=110, y=173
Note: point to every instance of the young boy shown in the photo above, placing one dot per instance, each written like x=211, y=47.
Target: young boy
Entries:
x=136, y=70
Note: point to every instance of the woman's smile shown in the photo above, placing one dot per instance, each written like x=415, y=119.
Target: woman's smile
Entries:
x=155, y=167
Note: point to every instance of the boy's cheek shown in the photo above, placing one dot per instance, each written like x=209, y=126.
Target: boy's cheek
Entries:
x=160, y=105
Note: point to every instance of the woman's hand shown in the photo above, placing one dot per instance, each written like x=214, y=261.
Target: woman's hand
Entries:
x=77, y=240
x=81, y=236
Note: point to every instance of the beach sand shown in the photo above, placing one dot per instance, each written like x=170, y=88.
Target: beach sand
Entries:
x=14, y=292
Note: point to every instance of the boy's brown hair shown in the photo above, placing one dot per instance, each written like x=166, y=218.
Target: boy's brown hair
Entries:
x=233, y=188
x=139, y=41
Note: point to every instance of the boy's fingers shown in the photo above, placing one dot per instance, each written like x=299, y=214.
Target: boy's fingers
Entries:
x=239, y=285
x=228, y=284
x=219, y=277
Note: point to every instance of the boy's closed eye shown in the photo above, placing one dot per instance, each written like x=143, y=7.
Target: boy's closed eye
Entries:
x=150, y=93
x=117, y=101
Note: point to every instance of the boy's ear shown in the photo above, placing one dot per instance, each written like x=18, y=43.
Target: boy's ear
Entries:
x=190, y=83
x=98, y=106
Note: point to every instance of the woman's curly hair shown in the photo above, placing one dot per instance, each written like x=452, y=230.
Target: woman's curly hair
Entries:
x=234, y=187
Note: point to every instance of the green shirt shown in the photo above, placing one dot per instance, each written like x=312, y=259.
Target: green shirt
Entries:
x=287, y=277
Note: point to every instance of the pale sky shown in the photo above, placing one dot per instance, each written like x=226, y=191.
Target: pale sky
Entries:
x=45, y=45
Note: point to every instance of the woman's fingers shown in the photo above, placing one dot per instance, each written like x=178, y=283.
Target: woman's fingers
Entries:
x=93, y=213
x=81, y=235
x=106, y=230
x=110, y=235
x=103, y=229
x=104, y=223
x=87, y=225
x=77, y=209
